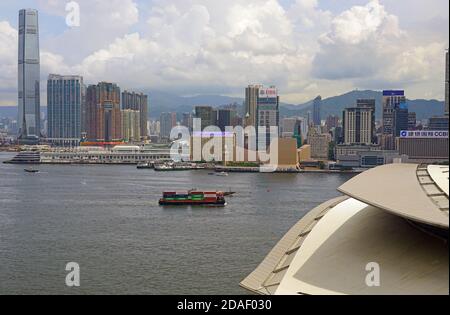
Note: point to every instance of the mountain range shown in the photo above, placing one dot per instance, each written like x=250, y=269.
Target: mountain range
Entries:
x=166, y=102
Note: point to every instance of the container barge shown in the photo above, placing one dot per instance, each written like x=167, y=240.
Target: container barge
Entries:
x=192, y=198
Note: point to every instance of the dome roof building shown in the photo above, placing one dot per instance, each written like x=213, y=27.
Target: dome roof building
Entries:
x=393, y=219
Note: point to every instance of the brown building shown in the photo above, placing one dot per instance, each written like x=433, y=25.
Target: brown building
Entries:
x=104, y=121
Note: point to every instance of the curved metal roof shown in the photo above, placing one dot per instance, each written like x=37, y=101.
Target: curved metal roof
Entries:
x=267, y=276
x=352, y=236
x=407, y=190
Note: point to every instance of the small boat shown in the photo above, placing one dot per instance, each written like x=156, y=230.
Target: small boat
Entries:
x=222, y=174
x=30, y=170
x=145, y=166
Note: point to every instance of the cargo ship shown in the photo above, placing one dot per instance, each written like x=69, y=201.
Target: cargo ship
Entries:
x=192, y=198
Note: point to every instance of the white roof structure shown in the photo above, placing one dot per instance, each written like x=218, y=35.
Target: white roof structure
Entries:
x=394, y=216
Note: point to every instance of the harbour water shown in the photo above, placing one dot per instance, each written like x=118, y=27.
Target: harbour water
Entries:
x=107, y=219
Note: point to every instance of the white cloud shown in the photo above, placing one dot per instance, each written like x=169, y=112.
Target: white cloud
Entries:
x=205, y=44
x=100, y=23
x=220, y=46
x=8, y=56
x=366, y=46
x=308, y=14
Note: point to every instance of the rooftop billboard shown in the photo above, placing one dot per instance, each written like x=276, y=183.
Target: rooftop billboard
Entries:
x=443, y=134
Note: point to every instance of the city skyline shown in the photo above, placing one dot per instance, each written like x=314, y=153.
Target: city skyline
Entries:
x=94, y=59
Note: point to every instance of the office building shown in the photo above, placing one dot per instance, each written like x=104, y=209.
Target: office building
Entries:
x=320, y=144
x=186, y=120
x=250, y=104
x=131, y=125
x=294, y=127
x=359, y=123
x=29, y=107
x=268, y=116
x=103, y=115
x=65, y=104
x=167, y=122
x=226, y=117
x=438, y=123
x=395, y=117
x=412, y=121
x=317, y=108
x=366, y=156
x=137, y=102
x=207, y=114
x=332, y=122
x=424, y=146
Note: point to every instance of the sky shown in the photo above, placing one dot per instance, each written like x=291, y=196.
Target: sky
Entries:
x=189, y=47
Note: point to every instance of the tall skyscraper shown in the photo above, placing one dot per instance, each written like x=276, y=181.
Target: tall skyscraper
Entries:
x=167, y=122
x=104, y=122
x=250, y=105
x=369, y=103
x=29, y=107
x=359, y=123
x=206, y=114
x=446, y=83
x=395, y=117
x=65, y=102
x=267, y=115
x=186, y=120
x=137, y=102
x=317, y=104
x=226, y=117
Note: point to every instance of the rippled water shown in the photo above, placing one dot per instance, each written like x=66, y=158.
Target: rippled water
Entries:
x=106, y=218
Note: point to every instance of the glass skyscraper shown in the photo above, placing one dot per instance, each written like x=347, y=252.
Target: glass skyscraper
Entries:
x=29, y=120
x=65, y=103
x=317, y=106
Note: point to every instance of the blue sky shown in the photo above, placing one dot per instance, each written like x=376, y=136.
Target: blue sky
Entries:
x=305, y=47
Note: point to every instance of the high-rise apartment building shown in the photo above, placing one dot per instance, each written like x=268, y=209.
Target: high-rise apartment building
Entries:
x=29, y=108
x=65, y=104
x=317, y=109
x=167, y=122
x=103, y=115
x=137, y=102
x=131, y=125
